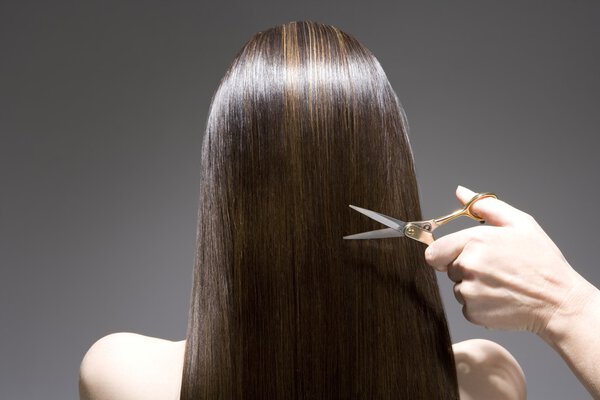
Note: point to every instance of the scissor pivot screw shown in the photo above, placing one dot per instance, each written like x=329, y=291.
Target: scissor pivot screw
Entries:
x=410, y=230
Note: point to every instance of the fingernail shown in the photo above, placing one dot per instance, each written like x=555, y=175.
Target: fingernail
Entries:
x=460, y=187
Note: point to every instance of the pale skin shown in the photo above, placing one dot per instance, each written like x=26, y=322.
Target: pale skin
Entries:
x=509, y=275
x=128, y=366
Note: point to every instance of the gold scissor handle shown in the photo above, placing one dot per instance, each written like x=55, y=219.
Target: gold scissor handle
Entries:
x=466, y=210
x=422, y=231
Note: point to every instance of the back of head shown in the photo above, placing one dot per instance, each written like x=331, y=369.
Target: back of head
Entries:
x=303, y=124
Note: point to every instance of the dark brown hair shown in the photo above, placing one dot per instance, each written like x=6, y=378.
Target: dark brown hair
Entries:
x=304, y=123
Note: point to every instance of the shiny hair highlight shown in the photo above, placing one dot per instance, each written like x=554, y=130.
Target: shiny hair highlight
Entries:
x=304, y=123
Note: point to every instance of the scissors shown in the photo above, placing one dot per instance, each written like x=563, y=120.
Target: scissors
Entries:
x=421, y=231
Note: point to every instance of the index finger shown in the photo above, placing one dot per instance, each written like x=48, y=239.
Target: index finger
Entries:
x=443, y=251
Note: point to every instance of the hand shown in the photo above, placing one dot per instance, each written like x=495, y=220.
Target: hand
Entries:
x=508, y=273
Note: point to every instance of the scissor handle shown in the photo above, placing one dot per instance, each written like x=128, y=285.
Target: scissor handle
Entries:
x=466, y=210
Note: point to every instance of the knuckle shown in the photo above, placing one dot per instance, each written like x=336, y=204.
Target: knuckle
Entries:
x=470, y=315
x=468, y=291
x=478, y=238
x=464, y=261
x=459, y=261
x=465, y=292
x=430, y=255
x=470, y=261
x=529, y=218
x=457, y=294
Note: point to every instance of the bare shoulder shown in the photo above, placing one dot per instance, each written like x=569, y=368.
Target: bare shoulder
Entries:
x=487, y=370
x=128, y=366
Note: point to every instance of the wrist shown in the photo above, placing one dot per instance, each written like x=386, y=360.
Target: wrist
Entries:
x=570, y=311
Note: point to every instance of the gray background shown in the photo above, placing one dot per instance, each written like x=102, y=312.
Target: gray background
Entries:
x=102, y=111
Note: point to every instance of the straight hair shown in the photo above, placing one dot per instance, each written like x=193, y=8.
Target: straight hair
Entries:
x=304, y=123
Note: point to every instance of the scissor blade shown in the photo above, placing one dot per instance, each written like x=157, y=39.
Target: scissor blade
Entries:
x=384, y=219
x=378, y=234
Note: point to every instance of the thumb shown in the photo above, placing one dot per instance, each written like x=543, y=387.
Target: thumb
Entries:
x=493, y=211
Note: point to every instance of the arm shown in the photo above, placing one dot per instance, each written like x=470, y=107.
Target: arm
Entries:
x=511, y=276
x=574, y=332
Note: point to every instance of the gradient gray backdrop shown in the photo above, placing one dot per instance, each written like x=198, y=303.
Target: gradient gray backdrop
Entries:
x=102, y=111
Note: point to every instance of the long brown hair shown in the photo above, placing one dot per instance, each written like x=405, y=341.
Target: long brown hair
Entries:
x=304, y=123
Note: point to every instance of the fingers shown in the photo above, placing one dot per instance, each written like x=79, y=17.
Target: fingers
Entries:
x=444, y=250
x=496, y=212
x=457, y=294
x=455, y=273
x=493, y=211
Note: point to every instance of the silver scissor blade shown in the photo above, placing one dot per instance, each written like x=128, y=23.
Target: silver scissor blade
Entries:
x=378, y=234
x=384, y=219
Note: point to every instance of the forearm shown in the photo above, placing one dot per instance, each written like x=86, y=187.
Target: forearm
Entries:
x=574, y=332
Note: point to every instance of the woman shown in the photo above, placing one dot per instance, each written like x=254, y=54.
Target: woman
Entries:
x=304, y=123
